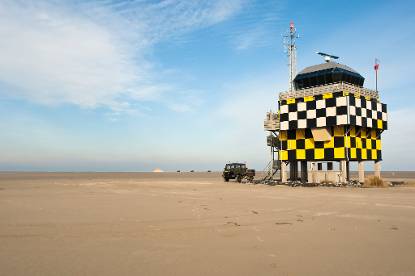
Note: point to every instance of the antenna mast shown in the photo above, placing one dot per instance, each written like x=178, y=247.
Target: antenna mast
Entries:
x=291, y=48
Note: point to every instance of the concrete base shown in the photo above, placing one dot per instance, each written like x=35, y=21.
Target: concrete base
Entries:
x=311, y=172
x=324, y=176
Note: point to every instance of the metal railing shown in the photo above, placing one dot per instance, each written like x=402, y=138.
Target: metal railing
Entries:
x=334, y=87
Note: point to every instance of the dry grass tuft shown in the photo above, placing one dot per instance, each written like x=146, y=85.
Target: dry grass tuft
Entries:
x=374, y=182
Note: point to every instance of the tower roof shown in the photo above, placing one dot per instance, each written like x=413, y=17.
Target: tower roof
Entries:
x=325, y=66
x=326, y=73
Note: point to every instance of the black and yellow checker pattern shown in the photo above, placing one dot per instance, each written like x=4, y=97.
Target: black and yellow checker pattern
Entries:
x=363, y=144
x=356, y=143
x=332, y=109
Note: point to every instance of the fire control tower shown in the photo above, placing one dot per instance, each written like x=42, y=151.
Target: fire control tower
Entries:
x=325, y=118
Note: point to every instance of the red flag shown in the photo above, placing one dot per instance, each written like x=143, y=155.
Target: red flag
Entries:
x=291, y=25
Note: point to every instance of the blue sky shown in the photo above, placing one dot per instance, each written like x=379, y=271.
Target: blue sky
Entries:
x=134, y=85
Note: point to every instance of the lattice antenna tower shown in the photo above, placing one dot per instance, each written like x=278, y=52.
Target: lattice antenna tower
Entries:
x=291, y=50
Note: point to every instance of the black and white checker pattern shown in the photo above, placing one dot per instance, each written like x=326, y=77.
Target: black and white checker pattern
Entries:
x=312, y=114
x=367, y=113
x=346, y=110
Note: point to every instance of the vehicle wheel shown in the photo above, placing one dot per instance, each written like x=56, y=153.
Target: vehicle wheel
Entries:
x=226, y=179
x=239, y=179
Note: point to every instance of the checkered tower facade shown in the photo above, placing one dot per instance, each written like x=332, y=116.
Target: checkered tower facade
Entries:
x=354, y=122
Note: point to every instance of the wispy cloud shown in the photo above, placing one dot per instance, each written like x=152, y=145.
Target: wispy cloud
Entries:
x=256, y=37
x=256, y=25
x=94, y=53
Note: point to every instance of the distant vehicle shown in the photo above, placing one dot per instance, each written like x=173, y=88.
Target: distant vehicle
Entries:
x=238, y=171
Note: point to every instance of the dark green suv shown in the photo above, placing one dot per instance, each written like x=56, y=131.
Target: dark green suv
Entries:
x=237, y=171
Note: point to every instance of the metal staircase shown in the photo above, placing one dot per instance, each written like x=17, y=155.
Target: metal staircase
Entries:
x=272, y=125
x=272, y=168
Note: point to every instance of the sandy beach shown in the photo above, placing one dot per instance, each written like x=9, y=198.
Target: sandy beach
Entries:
x=195, y=224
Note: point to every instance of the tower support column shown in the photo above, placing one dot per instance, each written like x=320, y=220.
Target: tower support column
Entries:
x=343, y=171
x=361, y=169
x=283, y=172
x=304, y=172
x=312, y=175
x=348, y=171
x=377, y=168
x=293, y=170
